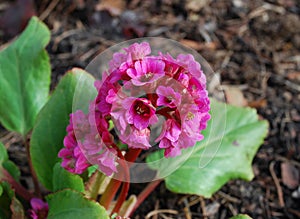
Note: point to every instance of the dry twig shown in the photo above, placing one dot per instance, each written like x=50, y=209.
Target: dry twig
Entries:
x=277, y=184
x=202, y=203
x=49, y=9
x=155, y=212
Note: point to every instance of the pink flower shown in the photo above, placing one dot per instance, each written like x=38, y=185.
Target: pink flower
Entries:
x=171, y=148
x=117, y=61
x=193, y=67
x=97, y=143
x=134, y=52
x=73, y=159
x=84, y=146
x=138, y=51
x=103, y=87
x=168, y=97
x=138, y=112
x=39, y=209
x=146, y=71
x=169, y=137
x=141, y=113
x=99, y=153
x=136, y=138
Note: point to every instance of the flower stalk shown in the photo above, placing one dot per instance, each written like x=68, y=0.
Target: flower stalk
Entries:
x=19, y=189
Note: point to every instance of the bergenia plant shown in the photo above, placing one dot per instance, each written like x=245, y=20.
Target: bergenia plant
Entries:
x=84, y=141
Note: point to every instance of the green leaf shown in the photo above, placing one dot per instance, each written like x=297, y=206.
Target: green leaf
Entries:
x=5, y=200
x=7, y=164
x=13, y=169
x=50, y=128
x=241, y=216
x=25, y=78
x=3, y=153
x=92, y=169
x=68, y=204
x=62, y=179
x=231, y=141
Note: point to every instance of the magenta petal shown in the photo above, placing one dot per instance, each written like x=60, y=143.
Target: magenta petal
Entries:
x=38, y=204
x=146, y=71
x=64, y=152
x=131, y=72
x=106, y=162
x=173, y=131
x=140, y=122
x=172, y=152
x=137, y=138
x=165, y=143
x=168, y=97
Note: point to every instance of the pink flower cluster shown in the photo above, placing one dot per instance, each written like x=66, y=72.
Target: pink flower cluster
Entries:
x=150, y=100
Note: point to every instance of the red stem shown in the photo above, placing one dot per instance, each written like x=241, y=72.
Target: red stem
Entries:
x=132, y=154
x=109, y=193
x=112, y=187
x=19, y=189
x=125, y=187
x=33, y=173
x=145, y=193
x=114, y=184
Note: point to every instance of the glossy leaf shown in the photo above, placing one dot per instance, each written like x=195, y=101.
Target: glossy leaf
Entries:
x=232, y=139
x=8, y=164
x=62, y=179
x=25, y=78
x=68, y=204
x=50, y=128
x=13, y=169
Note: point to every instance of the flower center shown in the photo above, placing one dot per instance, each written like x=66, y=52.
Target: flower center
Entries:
x=169, y=99
x=147, y=77
x=141, y=108
x=190, y=116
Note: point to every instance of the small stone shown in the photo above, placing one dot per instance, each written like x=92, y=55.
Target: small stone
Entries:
x=287, y=96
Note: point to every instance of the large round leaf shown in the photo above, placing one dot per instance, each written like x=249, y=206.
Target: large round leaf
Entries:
x=68, y=204
x=62, y=179
x=25, y=78
x=50, y=128
x=231, y=141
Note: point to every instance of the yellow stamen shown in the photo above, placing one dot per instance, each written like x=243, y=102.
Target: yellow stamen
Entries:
x=190, y=116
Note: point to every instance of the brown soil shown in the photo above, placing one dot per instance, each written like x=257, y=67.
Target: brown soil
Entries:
x=254, y=45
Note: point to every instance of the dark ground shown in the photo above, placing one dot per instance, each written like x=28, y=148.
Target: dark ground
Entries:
x=254, y=46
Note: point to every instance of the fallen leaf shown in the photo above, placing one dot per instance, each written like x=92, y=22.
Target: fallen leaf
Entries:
x=294, y=76
x=262, y=103
x=192, y=44
x=196, y=5
x=114, y=7
x=212, y=209
x=290, y=175
x=17, y=209
x=234, y=96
